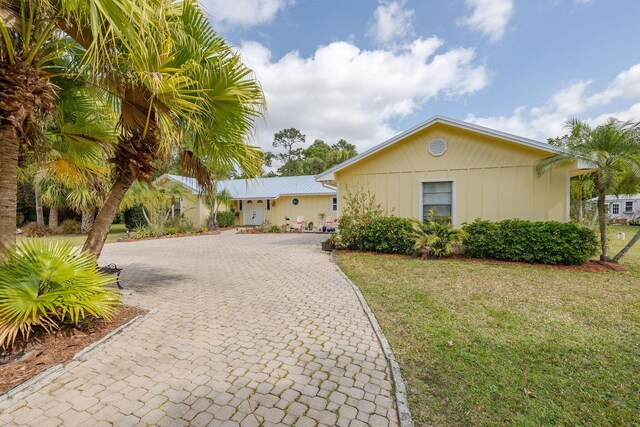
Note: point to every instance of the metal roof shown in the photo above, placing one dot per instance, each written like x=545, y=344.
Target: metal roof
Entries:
x=619, y=198
x=263, y=188
x=328, y=174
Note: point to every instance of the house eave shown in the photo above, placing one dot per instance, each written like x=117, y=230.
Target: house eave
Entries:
x=329, y=175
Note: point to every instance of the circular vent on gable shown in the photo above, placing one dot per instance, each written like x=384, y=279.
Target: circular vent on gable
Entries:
x=437, y=147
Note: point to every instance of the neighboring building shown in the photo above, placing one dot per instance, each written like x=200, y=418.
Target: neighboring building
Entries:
x=621, y=207
x=278, y=200
x=460, y=169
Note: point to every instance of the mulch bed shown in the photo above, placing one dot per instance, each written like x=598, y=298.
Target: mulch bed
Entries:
x=171, y=236
x=46, y=350
x=249, y=231
x=588, y=267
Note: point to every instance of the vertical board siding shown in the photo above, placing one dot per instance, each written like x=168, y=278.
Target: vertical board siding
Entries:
x=308, y=206
x=495, y=179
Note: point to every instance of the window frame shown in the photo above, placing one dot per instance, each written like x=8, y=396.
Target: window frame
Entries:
x=630, y=210
x=615, y=206
x=453, y=197
x=177, y=206
x=334, y=204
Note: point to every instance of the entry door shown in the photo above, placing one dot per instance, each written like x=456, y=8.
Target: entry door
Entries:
x=254, y=212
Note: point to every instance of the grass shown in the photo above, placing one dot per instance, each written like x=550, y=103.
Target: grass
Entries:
x=632, y=259
x=116, y=231
x=493, y=344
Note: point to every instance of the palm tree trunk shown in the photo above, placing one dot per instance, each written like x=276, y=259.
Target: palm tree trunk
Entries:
x=146, y=216
x=38, y=197
x=102, y=224
x=602, y=222
x=53, y=219
x=8, y=185
x=87, y=220
x=580, y=210
x=629, y=245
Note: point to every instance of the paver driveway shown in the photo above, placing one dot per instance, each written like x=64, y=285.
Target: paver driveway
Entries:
x=247, y=329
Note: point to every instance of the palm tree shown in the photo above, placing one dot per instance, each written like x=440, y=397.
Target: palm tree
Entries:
x=85, y=201
x=30, y=40
x=582, y=189
x=215, y=199
x=611, y=150
x=70, y=159
x=157, y=201
x=54, y=196
x=188, y=94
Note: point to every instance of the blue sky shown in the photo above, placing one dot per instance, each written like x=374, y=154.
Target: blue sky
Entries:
x=365, y=70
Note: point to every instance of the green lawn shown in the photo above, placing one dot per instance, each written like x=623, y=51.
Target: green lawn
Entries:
x=117, y=230
x=632, y=259
x=491, y=344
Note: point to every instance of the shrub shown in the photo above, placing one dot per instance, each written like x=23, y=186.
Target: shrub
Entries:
x=360, y=209
x=271, y=229
x=180, y=222
x=226, y=218
x=549, y=242
x=118, y=218
x=33, y=229
x=144, y=232
x=172, y=230
x=635, y=221
x=70, y=226
x=389, y=235
x=134, y=218
x=435, y=237
x=43, y=284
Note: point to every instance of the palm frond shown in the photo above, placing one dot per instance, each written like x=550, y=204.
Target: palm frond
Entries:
x=43, y=283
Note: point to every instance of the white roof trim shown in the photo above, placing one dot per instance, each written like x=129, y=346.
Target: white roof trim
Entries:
x=328, y=174
x=307, y=185
x=169, y=177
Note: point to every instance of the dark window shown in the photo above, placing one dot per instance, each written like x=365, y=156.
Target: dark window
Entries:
x=615, y=209
x=334, y=204
x=628, y=207
x=437, y=196
x=268, y=205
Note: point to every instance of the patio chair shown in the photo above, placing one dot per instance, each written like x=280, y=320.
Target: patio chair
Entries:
x=299, y=224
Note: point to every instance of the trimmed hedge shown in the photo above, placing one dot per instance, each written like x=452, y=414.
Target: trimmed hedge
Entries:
x=389, y=235
x=134, y=218
x=226, y=218
x=545, y=242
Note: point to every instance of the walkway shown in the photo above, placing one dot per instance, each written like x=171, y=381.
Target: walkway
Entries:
x=244, y=330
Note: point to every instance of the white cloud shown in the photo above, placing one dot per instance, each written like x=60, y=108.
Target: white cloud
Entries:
x=342, y=91
x=391, y=22
x=490, y=17
x=572, y=101
x=246, y=13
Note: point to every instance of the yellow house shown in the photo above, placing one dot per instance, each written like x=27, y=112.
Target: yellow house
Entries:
x=277, y=200
x=461, y=170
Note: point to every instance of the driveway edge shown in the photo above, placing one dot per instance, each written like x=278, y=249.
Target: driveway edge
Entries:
x=48, y=375
x=402, y=404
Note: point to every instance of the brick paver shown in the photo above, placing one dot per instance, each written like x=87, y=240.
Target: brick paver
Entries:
x=247, y=330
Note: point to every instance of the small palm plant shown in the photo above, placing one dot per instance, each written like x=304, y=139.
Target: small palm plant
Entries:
x=435, y=237
x=44, y=284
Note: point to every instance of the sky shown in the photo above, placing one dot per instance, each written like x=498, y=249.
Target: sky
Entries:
x=365, y=70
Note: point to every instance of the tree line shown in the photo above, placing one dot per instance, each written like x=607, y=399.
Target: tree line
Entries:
x=297, y=160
